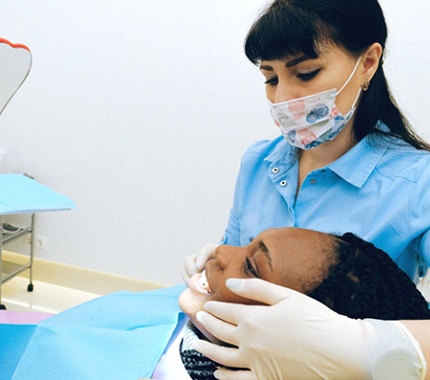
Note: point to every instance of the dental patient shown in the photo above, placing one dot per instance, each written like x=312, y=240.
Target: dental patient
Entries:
x=346, y=273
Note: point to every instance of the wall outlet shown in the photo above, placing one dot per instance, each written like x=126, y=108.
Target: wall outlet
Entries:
x=39, y=240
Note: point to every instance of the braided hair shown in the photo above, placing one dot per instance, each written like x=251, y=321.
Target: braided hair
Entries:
x=364, y=282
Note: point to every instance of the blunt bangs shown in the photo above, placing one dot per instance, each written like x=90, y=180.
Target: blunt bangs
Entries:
x=283, y=31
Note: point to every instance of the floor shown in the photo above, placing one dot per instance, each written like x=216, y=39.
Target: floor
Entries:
x=45, y=298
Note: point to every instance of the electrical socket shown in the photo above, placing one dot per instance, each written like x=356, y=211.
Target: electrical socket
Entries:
x=39, y=240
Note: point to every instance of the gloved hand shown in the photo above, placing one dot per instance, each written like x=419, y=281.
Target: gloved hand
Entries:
x=196, y=262
x=296, y=337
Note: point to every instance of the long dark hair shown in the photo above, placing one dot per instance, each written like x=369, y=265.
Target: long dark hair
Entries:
x=292, y=27
x=366, y=283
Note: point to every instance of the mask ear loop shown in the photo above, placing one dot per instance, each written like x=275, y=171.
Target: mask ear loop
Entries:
x=350, y=77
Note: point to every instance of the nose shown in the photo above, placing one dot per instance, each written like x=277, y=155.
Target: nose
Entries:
x=222, y=255
x=226, y=254
x=282, y=93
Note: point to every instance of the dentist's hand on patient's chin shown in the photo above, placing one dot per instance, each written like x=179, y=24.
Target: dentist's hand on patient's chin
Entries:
x=196, y=262
x=296, y=337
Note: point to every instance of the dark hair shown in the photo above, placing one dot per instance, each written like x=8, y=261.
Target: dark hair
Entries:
x=366, y=283
x=292, y=27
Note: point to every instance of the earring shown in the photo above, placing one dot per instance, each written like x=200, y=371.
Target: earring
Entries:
x=366, y=85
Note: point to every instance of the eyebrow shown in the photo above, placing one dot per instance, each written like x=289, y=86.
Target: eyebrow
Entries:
x=263, y=248
x=296, y=61
x=289, y=64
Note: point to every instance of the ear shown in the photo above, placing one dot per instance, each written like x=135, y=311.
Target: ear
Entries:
x=371, y=58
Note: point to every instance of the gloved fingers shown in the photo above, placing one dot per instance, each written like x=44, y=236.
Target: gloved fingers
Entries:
x=232, y=313
x=221, y=329
x=226, y=356
x=196, y=262
x=188, y=269
x=203, y=255
x=260, y=290
x=228, y=374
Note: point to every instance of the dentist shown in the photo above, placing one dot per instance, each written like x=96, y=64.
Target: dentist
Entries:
x=346, y=160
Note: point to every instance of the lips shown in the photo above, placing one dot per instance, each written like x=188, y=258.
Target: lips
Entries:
x=199, y=283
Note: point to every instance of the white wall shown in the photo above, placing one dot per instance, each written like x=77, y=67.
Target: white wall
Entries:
x=407, y=58
x=140, y=111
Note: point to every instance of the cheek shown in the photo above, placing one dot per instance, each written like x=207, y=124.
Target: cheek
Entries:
x=223, y=294
x=220, y=292
x=270, y=93
x=343, y=103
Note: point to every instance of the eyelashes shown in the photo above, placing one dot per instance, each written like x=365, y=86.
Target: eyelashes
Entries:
x=249, y=268
x=304, y=77
x=271, y=81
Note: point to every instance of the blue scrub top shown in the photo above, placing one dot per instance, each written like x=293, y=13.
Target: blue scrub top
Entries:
x=378, y=190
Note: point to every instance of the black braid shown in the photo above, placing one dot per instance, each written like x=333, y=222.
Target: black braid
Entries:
x=366, y=283
x=198, y=366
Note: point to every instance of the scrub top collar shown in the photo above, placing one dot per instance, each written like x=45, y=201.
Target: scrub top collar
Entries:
x=354, y=167
x=284, y=154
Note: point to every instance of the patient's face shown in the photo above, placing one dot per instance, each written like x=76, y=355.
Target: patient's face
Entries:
x=291, y=257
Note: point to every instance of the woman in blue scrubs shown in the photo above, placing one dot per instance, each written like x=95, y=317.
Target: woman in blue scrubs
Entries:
x=346, y=160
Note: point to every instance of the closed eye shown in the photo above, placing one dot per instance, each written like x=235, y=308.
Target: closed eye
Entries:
x=271, y=81
x=306, y=77
x=249, y=268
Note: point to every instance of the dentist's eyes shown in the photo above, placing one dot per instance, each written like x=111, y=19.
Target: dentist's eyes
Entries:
x=305, y=77
x=271, y=81
x=250, y=269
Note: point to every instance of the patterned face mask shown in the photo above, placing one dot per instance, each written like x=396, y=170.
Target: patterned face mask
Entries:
x=309, y=121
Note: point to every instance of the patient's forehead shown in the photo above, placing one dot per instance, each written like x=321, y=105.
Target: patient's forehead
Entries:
x=300, y=258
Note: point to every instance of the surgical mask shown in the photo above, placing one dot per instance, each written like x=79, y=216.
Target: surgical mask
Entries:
x=311, y=120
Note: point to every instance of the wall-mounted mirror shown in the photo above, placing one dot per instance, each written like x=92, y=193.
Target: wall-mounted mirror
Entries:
x=15, y=64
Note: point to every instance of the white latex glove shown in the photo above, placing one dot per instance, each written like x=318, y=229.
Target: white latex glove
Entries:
x=196, y=262
x=296, y=337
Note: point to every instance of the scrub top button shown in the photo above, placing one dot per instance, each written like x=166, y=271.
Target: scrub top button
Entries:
x=313, y=181
x=283, y=183
x=275, y=170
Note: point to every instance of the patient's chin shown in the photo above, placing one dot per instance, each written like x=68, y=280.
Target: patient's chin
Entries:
x=191, y=303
